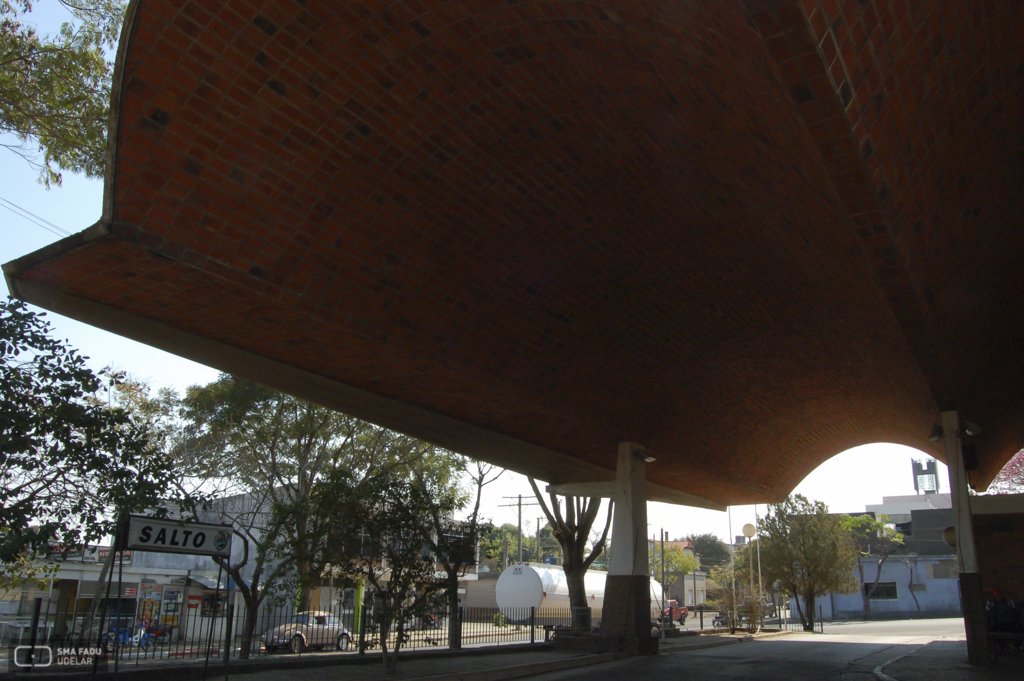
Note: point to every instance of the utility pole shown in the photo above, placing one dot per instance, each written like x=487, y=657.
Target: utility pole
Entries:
x=695, y=584
x=519, y=505
x=539, y=557
x=666, y=619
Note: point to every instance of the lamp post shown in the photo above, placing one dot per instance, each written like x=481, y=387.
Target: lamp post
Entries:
x=732, y=570
x=665, y=619
x=749, y=531
x=760, y=581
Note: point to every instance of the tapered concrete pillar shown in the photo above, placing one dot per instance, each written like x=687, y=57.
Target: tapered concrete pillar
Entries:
x=626, y=613
x=972, y=601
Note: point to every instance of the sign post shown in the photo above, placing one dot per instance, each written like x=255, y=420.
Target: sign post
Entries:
x=177, y=536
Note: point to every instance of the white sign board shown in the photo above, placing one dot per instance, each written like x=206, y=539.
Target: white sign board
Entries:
x=175, y=536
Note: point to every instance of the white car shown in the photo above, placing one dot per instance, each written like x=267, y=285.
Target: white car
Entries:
x=312, y=629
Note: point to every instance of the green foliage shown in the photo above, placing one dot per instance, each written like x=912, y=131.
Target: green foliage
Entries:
x=677, y=563
x=452, y=541
x=55, y=89
x=711, y=549
x=808, y=551
x=492, y=543
x=276, y=448
x=372, y=530
x=874, y=538
x=68, y=463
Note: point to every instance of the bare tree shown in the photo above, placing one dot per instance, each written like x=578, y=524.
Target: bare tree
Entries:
x=572, y=530
x=454, y=542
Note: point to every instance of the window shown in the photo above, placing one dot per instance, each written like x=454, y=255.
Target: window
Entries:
x=885, y=591
x=300, y=619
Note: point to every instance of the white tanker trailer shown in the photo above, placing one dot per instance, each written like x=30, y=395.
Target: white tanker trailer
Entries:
x=522, y=586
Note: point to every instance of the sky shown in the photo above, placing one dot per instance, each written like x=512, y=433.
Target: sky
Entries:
x=847, y=482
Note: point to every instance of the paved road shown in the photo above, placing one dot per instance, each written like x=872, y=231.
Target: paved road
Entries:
x=845, y=652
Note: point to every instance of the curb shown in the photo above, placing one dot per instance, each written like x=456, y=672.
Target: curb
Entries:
x=881, y=675
x=522, y=670
x=773, y=634
x=715, y=643
x=709, y=644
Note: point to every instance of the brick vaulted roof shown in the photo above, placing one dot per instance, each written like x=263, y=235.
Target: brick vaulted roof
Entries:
x=747, y=235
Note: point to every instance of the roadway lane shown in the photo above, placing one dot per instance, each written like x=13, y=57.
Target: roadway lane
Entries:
x=845, y=652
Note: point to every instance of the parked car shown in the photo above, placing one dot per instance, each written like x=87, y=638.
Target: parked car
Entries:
x=312, y=629
x=722, y=619
x=676, y=612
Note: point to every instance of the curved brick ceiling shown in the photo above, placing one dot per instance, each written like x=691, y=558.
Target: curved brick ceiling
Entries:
x=747, y=235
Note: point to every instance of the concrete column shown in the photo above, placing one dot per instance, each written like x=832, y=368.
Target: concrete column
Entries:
x=626, y=612
x=629, y=525
x=971, y=599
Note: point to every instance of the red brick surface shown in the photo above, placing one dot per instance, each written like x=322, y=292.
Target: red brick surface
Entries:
x=747, y=235
x=997, y=538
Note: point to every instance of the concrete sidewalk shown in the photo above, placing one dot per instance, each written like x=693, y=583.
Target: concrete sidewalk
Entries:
x=493, y=667
x=947, y=661
x=684, y=644
x=494, y=664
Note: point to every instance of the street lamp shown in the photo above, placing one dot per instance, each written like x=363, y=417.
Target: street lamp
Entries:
x=749, y=531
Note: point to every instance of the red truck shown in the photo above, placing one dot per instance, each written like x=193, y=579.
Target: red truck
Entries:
x=674, y=611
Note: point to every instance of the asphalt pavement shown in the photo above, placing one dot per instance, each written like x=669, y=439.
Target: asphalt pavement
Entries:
x=907, y=650
x=917, y=650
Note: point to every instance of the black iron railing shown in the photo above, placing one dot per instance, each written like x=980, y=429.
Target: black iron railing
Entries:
x=224, y=631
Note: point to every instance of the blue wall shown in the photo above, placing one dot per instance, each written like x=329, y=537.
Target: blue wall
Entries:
x=938, y=596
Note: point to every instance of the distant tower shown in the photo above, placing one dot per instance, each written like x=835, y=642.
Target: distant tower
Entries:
x=926, y=476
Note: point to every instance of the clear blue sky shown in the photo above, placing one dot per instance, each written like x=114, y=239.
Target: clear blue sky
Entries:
x=846, y=482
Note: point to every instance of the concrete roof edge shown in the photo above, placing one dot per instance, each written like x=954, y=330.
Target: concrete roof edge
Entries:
x=667, y=495
x=114, y=117
x=474, y=441
x=991, y=504
x=58, y=248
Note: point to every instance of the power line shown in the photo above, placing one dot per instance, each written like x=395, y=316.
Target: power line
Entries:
x=37, y=224
x=37, y=220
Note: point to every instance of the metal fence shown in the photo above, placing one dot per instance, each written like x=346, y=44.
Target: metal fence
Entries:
x=226, y=632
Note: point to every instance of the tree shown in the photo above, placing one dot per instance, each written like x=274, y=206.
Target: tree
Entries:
x=742, y=596
x=711, y=549
x=452, y=541
x=740, y=600
x=874, y=538
x=573, y=533
x=55, y=89
x=494, y=543
x=1010, y=480
x=370, y=531
x=808, y=551
x=69, y=463
x=677, y=564
x=272, y=449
